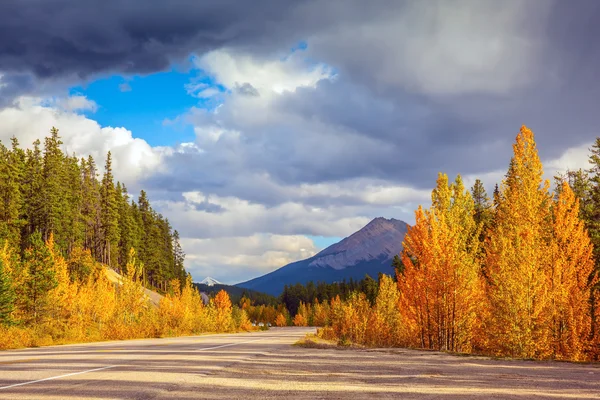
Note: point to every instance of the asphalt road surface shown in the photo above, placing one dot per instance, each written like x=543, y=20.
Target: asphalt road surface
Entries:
x=264, y=365
x=132, y=369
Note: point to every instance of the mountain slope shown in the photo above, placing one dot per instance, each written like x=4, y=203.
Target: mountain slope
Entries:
x=208, y=281
x=370, y=250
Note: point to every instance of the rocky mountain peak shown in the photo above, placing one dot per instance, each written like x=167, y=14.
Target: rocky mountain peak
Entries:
x=379, y=239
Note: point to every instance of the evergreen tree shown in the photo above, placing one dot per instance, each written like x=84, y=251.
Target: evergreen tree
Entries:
x=483, y=215
x=91, y=208
x=41, y=278
x=397, y=264
x=109, y=215
x=33, y=183
x=11, y=200
x=52, y=188
x=178, y=256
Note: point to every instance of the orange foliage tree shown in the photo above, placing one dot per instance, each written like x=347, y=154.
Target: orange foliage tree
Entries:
x=223, y=309
x=441, y=288
x=518, y=257
x=571, y=266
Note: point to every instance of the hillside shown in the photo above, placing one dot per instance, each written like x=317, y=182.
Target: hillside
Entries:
x=367, y=251
x=116, y=278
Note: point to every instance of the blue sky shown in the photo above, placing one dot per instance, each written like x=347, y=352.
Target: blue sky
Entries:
x=145, y=106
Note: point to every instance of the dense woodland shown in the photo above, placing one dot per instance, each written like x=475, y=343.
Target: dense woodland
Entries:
x=44, y=191
x=61, y=227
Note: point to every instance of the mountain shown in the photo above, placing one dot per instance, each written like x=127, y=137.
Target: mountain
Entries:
x=210, y=281
x=368, y=251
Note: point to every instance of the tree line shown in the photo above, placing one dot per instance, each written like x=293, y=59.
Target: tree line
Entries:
x=45, y=191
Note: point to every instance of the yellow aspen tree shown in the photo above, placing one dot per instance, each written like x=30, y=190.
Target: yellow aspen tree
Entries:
x=518, y=257
x=17, y=276
x=223, y=309
x=301, y=317
x=384, y=329
x=300, y=320
x=440, y=287
x=64, y=294
x=170, y=309
x=320, y=313
x=281, y=320
x=131, y=299
x=571, y=267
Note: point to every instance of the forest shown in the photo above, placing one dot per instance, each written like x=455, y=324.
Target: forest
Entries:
x=61, y=226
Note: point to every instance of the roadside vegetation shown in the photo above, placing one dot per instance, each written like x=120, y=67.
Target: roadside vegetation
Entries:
x=514, y=276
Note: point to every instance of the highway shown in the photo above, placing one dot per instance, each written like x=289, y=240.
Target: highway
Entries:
x=265, y=365
x=133, y=369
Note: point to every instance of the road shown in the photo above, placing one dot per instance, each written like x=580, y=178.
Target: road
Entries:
x=132, y=369
x=264, y=365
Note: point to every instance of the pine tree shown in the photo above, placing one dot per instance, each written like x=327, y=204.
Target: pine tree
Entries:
x=178, y=256
x=54, y=207
x=11, y=199
x=517, y=257
x=483, y=206
x=109, y=215
x=91, y=208
x=41, y=278
x=126, y=225
x=33, y=195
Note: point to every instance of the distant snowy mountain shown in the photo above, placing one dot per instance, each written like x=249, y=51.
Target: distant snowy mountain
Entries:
x=210, y=281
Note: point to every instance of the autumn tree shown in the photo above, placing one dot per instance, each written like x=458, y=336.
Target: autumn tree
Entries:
x=385, y=329
x=281, y=320
x=570, y=286
x=441, y=286
x=7, y=295
x=223, y=308
x=517, y=257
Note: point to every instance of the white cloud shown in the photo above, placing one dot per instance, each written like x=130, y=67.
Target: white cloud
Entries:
x=202, y=215
x=267, y=77
x=31, y=118
x=238, y=258
x=71, y=103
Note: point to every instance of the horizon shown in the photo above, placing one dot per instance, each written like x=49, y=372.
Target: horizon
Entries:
x=264, y=146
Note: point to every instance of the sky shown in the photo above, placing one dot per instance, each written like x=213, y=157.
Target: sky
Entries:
x=267, y=130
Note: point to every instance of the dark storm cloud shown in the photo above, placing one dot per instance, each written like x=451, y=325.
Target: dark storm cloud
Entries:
x=56, y=37
x=423, y=86
x=78, y=39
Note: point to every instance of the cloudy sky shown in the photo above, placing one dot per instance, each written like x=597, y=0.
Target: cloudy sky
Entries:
x=267, y=130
